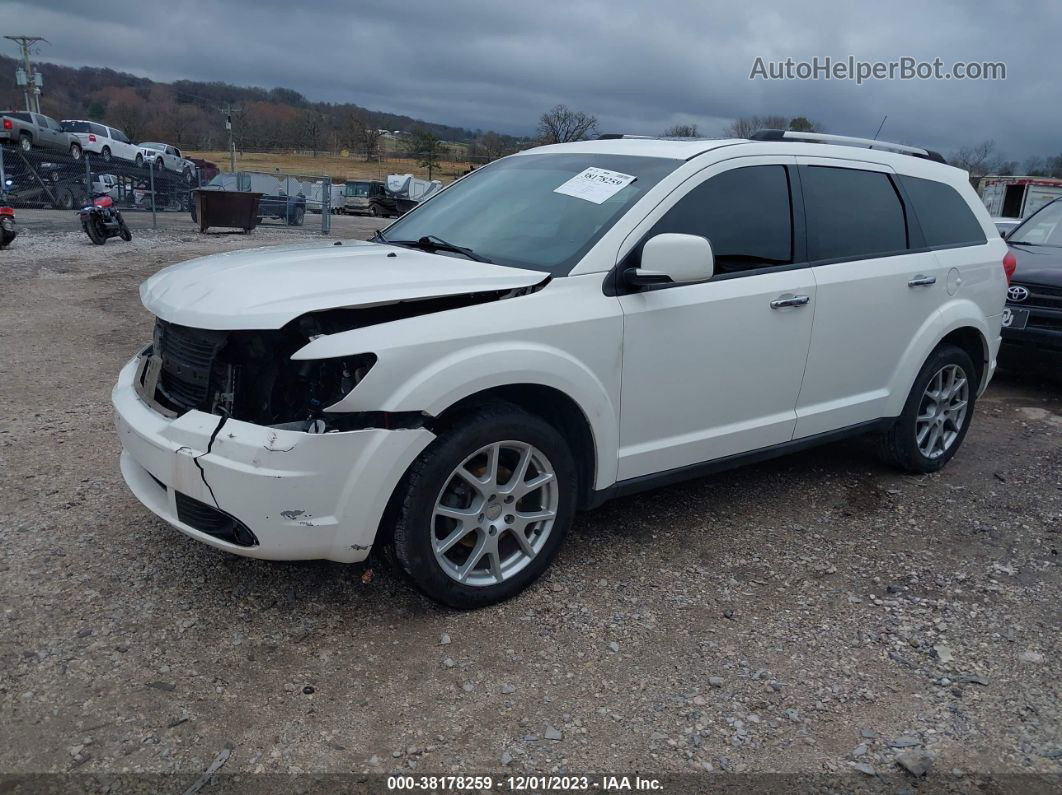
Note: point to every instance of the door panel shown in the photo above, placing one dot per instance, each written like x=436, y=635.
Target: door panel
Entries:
x=867, y=310
x=711, y=370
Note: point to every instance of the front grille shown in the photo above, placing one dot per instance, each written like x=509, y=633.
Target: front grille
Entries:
x=1049, y=322
x=209, y=520
x=187, y=361
x=1040, y=295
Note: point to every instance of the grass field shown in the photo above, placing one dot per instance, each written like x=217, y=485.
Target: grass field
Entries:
x=329, y=164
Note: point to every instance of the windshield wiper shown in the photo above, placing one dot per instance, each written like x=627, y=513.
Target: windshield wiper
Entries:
x=435, y=243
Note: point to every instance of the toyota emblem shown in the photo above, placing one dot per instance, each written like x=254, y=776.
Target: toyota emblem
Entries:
x=1017, y=294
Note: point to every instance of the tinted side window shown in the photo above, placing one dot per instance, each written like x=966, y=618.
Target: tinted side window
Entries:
x=100, y=130
x=851, y=213
x=745, y=213
x=118, y=135
x=945, y=217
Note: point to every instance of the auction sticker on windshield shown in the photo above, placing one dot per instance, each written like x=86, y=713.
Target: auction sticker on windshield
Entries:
x=595, y=185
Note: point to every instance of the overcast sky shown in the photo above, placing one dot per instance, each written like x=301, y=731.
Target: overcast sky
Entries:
x=638, y=65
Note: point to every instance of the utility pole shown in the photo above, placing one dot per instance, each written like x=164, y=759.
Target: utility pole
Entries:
x=228, y=110
x=29, y=80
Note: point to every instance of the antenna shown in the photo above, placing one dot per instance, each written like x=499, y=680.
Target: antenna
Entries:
x=880, y=126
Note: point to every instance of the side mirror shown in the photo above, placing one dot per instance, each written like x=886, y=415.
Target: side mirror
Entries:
x=673, y=258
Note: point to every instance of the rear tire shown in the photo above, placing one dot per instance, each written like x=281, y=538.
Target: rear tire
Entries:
x=495, y=519
x=937, y=413
x=25, y=142
x=105, y=153
x=94, y=233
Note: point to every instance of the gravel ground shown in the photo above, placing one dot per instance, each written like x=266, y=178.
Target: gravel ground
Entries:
x=815, y=614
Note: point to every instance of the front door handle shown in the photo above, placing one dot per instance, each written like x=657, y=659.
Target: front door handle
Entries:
x=782, y=301
x=922, y=280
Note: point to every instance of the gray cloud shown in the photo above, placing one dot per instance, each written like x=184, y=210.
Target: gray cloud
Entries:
x=639, y=66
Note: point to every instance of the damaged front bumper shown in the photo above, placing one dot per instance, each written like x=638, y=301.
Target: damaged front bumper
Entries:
x=258, y=491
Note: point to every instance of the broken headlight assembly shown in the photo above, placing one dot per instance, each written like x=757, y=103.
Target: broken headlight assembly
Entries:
x=250, y=375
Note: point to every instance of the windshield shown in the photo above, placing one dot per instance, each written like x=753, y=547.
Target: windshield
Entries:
x=356, y=189
x=510, y=213
x=1043, y=228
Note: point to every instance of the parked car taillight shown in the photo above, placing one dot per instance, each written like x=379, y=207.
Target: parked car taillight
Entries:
x=8, y=125
x=92, y=138
x=1010, y=264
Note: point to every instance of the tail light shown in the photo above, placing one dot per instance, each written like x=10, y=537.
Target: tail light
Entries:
x=1010, y=264
x=92, y=137
x=7, y=211
x=8, y=125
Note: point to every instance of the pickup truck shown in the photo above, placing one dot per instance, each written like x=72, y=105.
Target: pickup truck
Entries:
x=27, y=130
x=166, y=156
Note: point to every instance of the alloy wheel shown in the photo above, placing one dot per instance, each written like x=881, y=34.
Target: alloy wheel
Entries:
x=942, y=412
x=494, y=513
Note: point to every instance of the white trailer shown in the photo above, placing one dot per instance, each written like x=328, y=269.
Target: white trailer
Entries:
x=1018, y=197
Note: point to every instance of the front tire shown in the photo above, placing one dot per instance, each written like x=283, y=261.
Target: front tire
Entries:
x=937, y=413
x=75, y=151
x=139, y=162
x=482, y=512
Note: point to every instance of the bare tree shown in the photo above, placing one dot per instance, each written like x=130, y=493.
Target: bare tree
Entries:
x=560, y=125
x=745, y=127
x=312, y=124
x=365, y=138
x=681, y=131
x=1035, y=166
x=492, y=144
x=130, y=118
x=979, y=160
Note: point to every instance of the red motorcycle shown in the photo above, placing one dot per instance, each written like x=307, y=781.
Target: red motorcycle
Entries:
x=101, y=220
x=8, y=230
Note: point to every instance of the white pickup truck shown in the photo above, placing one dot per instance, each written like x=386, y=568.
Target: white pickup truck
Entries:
x=169, y=157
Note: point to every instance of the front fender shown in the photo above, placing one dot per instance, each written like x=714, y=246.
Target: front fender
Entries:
x=469, y=371
x=566, y=336
x=955, y=314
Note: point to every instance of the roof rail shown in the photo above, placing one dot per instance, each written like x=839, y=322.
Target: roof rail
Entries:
x=844, y=140
x=614, y=136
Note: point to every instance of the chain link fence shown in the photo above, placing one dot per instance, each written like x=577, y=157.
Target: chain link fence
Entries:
x=157, y=181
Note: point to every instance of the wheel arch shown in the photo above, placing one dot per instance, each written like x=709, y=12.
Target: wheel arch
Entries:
x=960, y=323
x=547, y=403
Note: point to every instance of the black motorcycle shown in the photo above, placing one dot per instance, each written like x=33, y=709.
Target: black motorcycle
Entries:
x=101, y=220
x=8, y=230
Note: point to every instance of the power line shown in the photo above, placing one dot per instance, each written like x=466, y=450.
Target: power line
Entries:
x=27, y=78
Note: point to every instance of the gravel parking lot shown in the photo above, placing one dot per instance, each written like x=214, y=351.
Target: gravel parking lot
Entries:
x=815, y=614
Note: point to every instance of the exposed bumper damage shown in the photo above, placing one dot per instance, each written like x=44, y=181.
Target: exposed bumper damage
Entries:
x=258, y=491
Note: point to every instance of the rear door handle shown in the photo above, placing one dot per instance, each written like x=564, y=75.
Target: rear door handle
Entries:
x=782, y=301
x=922, y=281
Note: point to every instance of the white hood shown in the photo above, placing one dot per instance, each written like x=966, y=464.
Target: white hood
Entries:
x=264, y=288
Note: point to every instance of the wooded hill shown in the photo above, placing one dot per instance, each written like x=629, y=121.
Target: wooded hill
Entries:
x=186, y=113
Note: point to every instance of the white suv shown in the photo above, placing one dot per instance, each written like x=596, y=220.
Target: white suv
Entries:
x=107, y=142
x=565, y=325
